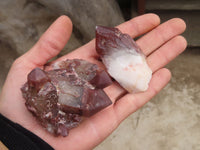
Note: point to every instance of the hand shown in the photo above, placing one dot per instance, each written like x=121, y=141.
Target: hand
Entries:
x=161, y=44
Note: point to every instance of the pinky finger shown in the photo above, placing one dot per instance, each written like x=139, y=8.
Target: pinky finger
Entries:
x=132, y=102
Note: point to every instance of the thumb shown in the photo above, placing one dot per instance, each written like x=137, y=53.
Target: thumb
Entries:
x=50, y=43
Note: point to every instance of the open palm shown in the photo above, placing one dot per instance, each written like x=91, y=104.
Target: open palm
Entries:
x=160, y=43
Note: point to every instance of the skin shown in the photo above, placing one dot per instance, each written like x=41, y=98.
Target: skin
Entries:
x=160, y=43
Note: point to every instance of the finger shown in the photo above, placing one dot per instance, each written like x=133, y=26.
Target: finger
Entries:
x=131, y=102
x=158, y=36
x=50, y=43
x=134, y=27
x=166, y=53
x=139, y=25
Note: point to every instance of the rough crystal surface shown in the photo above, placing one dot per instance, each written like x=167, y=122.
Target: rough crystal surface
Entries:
x=123, y=59
x=61, y=96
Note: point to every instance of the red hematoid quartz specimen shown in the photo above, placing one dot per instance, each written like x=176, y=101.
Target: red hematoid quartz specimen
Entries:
x=123, y=59
x=61, y=96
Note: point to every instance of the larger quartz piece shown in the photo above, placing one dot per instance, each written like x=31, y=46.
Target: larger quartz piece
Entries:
x=123, y=59
x=61, y=96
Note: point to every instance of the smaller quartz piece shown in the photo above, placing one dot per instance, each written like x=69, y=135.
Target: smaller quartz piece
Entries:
x=61, y=96
x=123, y=59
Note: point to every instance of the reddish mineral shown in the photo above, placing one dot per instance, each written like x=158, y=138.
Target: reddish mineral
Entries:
x=60, y=97
x=123, y=59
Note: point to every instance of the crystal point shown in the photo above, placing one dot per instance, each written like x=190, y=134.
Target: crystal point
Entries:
x=123, y=59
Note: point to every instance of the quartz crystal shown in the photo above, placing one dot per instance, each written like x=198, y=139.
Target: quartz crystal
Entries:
x=61, y=96
x=123, y=59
